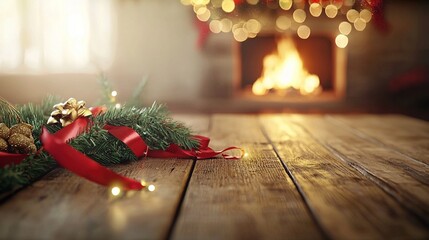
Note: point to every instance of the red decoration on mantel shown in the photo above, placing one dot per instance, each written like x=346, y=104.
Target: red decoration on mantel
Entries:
x=377, y=9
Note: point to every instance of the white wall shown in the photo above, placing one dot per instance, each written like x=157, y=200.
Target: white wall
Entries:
x=155, y=38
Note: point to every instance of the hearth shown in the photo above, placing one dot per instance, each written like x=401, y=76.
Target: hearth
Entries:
x=274, y=67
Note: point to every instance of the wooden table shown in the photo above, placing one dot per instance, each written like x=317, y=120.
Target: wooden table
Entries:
x=304, y=176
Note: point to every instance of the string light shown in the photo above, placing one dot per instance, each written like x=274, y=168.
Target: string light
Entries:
x=299, y=16
x=359, y=24
x=315, y=9
x=114, y=93
x=228, y=6
x=283, y=22
x=303, y=32
x=331, y=11
x=285, y=4
x=352, y=15
x=345, y=28
x=151, y=188
x=143, y=183
x=115, y=191
x=365, y=15
x=341, y=41
x=117, y=105
x=239, y=18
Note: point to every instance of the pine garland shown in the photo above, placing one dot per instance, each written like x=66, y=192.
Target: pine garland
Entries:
x=153, y=124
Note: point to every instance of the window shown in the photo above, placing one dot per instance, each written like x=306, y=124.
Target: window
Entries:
x=56, y=36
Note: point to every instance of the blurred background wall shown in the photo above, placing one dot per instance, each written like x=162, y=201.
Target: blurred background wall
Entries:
x=158, y=39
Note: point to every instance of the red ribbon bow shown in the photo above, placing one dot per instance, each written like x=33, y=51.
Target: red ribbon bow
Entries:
x=77, y=162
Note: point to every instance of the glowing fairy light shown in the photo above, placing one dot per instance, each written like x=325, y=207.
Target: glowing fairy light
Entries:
x=341, y=41
x=345, y=28
x=118, y=105
x=115, y=191
x=228, y=6
x=315, y=9
x=114, y=93
x=143, y=183
x=238, y=16
x=151, y=188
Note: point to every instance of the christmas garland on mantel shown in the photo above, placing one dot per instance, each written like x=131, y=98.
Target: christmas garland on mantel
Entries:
x=84, y=141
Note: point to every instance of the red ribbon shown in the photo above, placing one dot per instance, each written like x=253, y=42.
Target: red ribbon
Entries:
x=75, y=161
x=11, y=158
x=80, y=164
x=68, y=157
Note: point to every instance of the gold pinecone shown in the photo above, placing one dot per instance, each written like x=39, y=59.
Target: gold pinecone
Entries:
x=18, y=138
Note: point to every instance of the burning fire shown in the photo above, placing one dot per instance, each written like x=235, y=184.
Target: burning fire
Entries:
x=283, y=71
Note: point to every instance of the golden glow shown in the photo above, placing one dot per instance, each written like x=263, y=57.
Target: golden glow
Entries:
x=240, y=34
x=331, y=11
x=285, y=4
x=303, y=32
x=228, y=6
x=215, y=26
x=253, y=26
x=151, y=188
x=341, y=41
x=315, y=9
x=359, y=24
x=283, y=22
x=311, y=83
x=258, y=88
x=345, y=28
x=352, y=15
x=365, y=15
x=299, y=15
x=143, y=183
x=226, y=25
x=203, y=14
x=283, y=70
x=115, y=191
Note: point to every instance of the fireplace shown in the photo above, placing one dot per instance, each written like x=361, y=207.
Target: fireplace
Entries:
x=307, y=70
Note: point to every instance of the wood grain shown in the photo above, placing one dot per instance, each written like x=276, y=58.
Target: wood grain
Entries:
x=403, y=134
x=347, y=204
x=64, y=206
x=405, y=179
x=251, y=198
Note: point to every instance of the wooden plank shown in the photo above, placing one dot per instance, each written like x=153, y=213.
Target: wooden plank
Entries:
x=251, y=198
x=348, y=204
x=403, y=134
x=64, y=206
x=405, y=179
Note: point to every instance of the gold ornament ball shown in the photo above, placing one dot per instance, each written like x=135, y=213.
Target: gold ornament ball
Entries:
x=4, y=131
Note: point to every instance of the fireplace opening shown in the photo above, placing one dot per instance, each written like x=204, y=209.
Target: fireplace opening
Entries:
x=287, y=67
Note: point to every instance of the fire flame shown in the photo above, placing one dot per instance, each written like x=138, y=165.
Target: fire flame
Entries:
x=283, y=70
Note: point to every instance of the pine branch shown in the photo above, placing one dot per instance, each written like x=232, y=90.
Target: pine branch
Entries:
x=153, y=124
